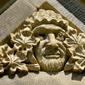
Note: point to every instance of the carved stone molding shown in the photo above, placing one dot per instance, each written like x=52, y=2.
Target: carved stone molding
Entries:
x=46, y=42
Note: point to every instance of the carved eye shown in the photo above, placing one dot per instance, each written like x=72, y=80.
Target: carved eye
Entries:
x=60, y=36
x=41, y=35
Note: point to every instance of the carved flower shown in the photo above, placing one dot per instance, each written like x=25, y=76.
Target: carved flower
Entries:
x=76, y=47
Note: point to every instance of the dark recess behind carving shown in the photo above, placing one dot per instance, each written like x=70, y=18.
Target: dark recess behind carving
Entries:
x=77, y=10
x=5, y=4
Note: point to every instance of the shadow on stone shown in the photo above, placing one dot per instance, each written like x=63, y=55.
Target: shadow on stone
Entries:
x=75, y=76
x=67, y=73
x=52, y=73
x=36, y=72
x=11, y=76
x=20, y=75
x=1, y=76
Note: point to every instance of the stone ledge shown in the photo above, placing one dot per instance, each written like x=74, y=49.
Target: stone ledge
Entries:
x=44, y=78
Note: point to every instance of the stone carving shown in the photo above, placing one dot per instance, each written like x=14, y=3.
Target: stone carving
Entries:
x=50, y=52
x=45, y=42
x=76, y=46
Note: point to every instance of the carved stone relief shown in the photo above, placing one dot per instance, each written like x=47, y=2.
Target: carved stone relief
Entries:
x=46, y=42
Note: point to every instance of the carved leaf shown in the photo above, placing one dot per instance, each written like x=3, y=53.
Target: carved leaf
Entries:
x=22, y=58
x=10, y=61
x=13, y=62
x=23, y=41
x=76, y=46
x=1, y=69
x=4, y=49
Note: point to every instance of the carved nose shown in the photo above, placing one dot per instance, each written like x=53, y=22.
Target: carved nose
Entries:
x=52, y=40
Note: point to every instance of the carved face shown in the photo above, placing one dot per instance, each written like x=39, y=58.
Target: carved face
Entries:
x=50, y=51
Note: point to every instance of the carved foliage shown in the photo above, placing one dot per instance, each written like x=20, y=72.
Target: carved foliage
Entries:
x=20, y=57
x=76, y=46
x=45, y=41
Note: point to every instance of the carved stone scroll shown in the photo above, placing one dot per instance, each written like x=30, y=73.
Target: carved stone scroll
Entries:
x=46, y=42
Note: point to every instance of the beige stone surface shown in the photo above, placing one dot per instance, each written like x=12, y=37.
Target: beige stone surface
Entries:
x=76, y=58
x=44, y=78
x=14, y=16
x=63, y=11
x=20, y=10
x=44, y=41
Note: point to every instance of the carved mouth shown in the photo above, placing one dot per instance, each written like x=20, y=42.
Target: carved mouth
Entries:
x=52, y=56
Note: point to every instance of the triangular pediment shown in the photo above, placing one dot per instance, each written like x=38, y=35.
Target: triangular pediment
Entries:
x=46, y=41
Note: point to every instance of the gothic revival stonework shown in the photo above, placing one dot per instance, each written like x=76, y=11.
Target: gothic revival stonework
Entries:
x=45, y=42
